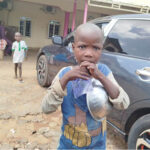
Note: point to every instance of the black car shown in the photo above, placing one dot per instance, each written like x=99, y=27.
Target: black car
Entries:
x=127, y=53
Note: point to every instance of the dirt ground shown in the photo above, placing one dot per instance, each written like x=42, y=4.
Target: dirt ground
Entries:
x=22, y=124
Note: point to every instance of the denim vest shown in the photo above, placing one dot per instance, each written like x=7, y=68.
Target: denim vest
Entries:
x=79, y=129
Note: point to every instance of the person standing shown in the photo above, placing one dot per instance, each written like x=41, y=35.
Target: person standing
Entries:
x=80, y=130
x=19, y=49
x=3, y=44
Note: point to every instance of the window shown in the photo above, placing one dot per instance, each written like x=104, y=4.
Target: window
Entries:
x=25, y=26
x=102, y=25
x=130, y=37
x=68, y=39
x=69, y=30
x=53, y=28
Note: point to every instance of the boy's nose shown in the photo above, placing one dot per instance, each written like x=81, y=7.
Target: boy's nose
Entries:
x=88, y=53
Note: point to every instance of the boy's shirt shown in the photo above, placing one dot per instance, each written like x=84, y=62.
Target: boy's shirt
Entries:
x=19, y=49
x=79, y=129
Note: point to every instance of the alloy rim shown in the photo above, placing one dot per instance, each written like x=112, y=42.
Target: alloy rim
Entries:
x=41, y=70
x=143, y=141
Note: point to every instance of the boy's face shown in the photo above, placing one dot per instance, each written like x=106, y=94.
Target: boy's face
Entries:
x=87, y=46
x=17, y=37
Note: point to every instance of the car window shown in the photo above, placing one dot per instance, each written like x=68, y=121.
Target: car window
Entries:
x=130, y=37
x=68, y=39
x=102, y=25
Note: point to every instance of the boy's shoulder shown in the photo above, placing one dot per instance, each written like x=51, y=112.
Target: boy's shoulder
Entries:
x=64, y=70
x=14, y=42
x=22, y=41
x=104, y=69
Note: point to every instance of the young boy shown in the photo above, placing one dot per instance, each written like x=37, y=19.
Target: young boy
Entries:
x=79, y=129
x=19, y=48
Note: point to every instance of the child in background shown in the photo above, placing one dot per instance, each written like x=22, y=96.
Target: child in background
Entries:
x=79, y=129
x=19, y=49
x=3, y=44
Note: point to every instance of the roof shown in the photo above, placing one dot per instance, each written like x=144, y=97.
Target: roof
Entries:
x=130, y=16
x=134, y=6
x=135, y=2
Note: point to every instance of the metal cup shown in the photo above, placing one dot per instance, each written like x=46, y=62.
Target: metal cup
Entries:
x=98, y=102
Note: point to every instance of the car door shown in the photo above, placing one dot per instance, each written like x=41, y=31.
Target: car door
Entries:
x=127, y=53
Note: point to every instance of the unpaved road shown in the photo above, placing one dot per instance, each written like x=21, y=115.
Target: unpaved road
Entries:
x=22, y=124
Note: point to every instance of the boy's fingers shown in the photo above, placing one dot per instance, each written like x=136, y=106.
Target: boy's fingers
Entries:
x=91, y=67
x=83, y=77
x=85, y=64
x=85, y=74
x=91, y=71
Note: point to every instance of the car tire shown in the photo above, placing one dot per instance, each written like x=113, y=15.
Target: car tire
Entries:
x=139, y=135
x=43, y=71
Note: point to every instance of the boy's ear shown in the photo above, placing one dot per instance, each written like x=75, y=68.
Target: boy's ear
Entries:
x=73, y=46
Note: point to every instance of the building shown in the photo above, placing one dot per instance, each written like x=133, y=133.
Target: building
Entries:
x=39, y=20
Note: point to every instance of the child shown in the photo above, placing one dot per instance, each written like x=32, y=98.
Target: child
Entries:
x=19, y=48
x=79, y=129
x=3, y=45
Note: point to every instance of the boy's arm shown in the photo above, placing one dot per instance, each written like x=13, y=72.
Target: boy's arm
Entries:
x=122, y=101
x=25, y=46
x=13, y=47
x=116, y=94
x=54, y=96
x=58, y=90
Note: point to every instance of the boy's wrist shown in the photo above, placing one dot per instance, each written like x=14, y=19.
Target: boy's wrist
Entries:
x=100, y=76
x=63, y=81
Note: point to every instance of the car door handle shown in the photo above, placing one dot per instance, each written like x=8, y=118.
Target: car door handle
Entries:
x=144, y=73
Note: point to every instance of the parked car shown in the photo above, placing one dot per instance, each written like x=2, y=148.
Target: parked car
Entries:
x=127, y=53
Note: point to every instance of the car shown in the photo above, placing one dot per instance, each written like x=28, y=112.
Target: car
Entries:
x=127, y=53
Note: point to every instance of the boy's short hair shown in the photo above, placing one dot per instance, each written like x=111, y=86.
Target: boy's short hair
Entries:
x=18, y=33
x=89, y=26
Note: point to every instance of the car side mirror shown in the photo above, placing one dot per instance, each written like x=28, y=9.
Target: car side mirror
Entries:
x=58, y=40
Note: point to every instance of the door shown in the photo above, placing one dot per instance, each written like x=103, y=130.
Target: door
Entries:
x=127, y=53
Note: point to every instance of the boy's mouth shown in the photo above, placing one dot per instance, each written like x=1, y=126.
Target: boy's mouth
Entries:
x=90, y=61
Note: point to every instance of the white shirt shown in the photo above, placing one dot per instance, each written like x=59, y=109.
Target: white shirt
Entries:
x=19, y=49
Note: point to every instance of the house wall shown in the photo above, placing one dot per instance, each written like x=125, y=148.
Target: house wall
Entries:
x=39, y=21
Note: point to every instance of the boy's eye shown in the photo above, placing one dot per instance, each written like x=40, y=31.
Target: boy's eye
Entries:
x=82, y=46
x=96, y=48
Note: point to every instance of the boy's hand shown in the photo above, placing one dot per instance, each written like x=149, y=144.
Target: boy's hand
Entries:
x=112, y=90
x=75, y=72
x=92, y=68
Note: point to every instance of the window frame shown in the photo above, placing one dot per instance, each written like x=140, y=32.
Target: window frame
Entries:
x=55, y=23
x=116, y=20
x=25, y=19
x=102, y=23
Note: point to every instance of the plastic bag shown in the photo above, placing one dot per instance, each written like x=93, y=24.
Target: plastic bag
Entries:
x=81, y=87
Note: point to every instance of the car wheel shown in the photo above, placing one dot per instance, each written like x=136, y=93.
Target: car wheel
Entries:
x=139, y=135
x=42, y=71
